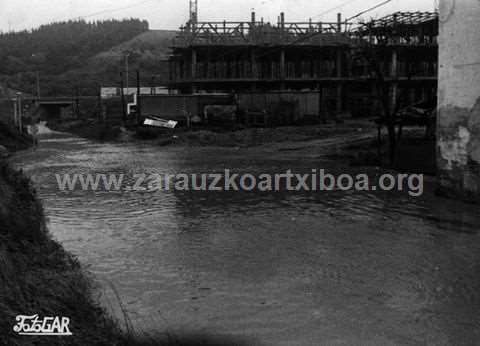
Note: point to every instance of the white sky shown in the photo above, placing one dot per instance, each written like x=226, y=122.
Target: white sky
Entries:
x=170, y=14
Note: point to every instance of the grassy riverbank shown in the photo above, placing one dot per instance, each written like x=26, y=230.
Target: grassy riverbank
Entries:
x=12, y=140
x=37, y=276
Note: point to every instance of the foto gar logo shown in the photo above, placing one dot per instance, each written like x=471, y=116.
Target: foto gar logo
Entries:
x=47, y=326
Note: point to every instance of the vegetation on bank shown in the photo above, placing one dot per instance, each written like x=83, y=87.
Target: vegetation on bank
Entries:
x=11, y=140
x=37, y=276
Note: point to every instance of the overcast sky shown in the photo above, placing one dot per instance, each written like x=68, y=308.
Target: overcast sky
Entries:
x=170, y=14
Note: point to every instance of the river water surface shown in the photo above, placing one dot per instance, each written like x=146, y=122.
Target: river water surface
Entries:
x=331, y=268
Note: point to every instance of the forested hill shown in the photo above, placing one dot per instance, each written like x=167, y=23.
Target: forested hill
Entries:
x=58, y=47
x=66, y=55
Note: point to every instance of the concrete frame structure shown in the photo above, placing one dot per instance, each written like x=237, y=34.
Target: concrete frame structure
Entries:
x=256, y=56
x=259, y=57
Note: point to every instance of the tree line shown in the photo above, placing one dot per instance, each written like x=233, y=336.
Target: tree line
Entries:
x=59, y=47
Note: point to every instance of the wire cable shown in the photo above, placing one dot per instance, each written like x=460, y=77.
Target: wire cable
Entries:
x=335, y=8
x=117, y=9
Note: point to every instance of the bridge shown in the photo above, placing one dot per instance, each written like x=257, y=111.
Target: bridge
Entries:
x=47, y=107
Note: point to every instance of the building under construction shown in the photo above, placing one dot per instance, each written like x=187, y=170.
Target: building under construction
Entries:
x=327, y=67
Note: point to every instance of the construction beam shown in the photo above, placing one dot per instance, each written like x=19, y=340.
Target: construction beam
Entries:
x=194, y=64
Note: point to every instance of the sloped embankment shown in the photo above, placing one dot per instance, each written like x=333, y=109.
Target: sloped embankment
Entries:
x=37, y=276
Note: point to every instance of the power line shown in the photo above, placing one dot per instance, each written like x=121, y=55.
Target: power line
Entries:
x=112, y=10
x=335, y=8
x=368, y=10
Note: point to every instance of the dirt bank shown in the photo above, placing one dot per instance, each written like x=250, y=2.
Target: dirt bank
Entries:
x=355, y=140
x=238, y=136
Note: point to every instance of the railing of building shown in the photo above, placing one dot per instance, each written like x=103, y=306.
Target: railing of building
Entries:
x=260, y=33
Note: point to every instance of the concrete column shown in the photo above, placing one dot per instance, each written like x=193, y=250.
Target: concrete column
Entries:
x=253, y=62
x=194, y=63
x=458, y=130
x=282, y=63
x=339, y=64
x=339, y=98
x=283, y=73
x=194, y=70
x=394, y=76
x=394, y=67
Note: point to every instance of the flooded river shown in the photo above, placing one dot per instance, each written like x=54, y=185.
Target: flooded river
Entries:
x=329, y=268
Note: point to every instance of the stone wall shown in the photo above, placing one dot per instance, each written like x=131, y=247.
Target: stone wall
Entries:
x=458, y=144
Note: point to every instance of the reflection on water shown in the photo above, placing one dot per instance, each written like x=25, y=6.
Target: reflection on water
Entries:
x=280, y=268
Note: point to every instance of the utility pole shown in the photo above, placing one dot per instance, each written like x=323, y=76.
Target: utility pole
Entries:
x=124, y=112
x=19, y=112
x=139, y=99
x=152, y=87
x=15, y=112
x=126, y=71
x=38, y=84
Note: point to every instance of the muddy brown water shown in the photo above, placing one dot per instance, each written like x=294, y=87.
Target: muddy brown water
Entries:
x=324, y=268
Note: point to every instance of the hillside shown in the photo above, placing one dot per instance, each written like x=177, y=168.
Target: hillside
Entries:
x=80, y=57
x=6, y=93
x=147, y=53
x=153, y=44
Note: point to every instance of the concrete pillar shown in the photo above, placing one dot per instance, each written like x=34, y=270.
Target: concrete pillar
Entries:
x=194, y=71
x=339, y=105
x=458, y=129
x=253, y=62
x=394, y=67
x=339, y=64
x=194, y=63
x=394, y=86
